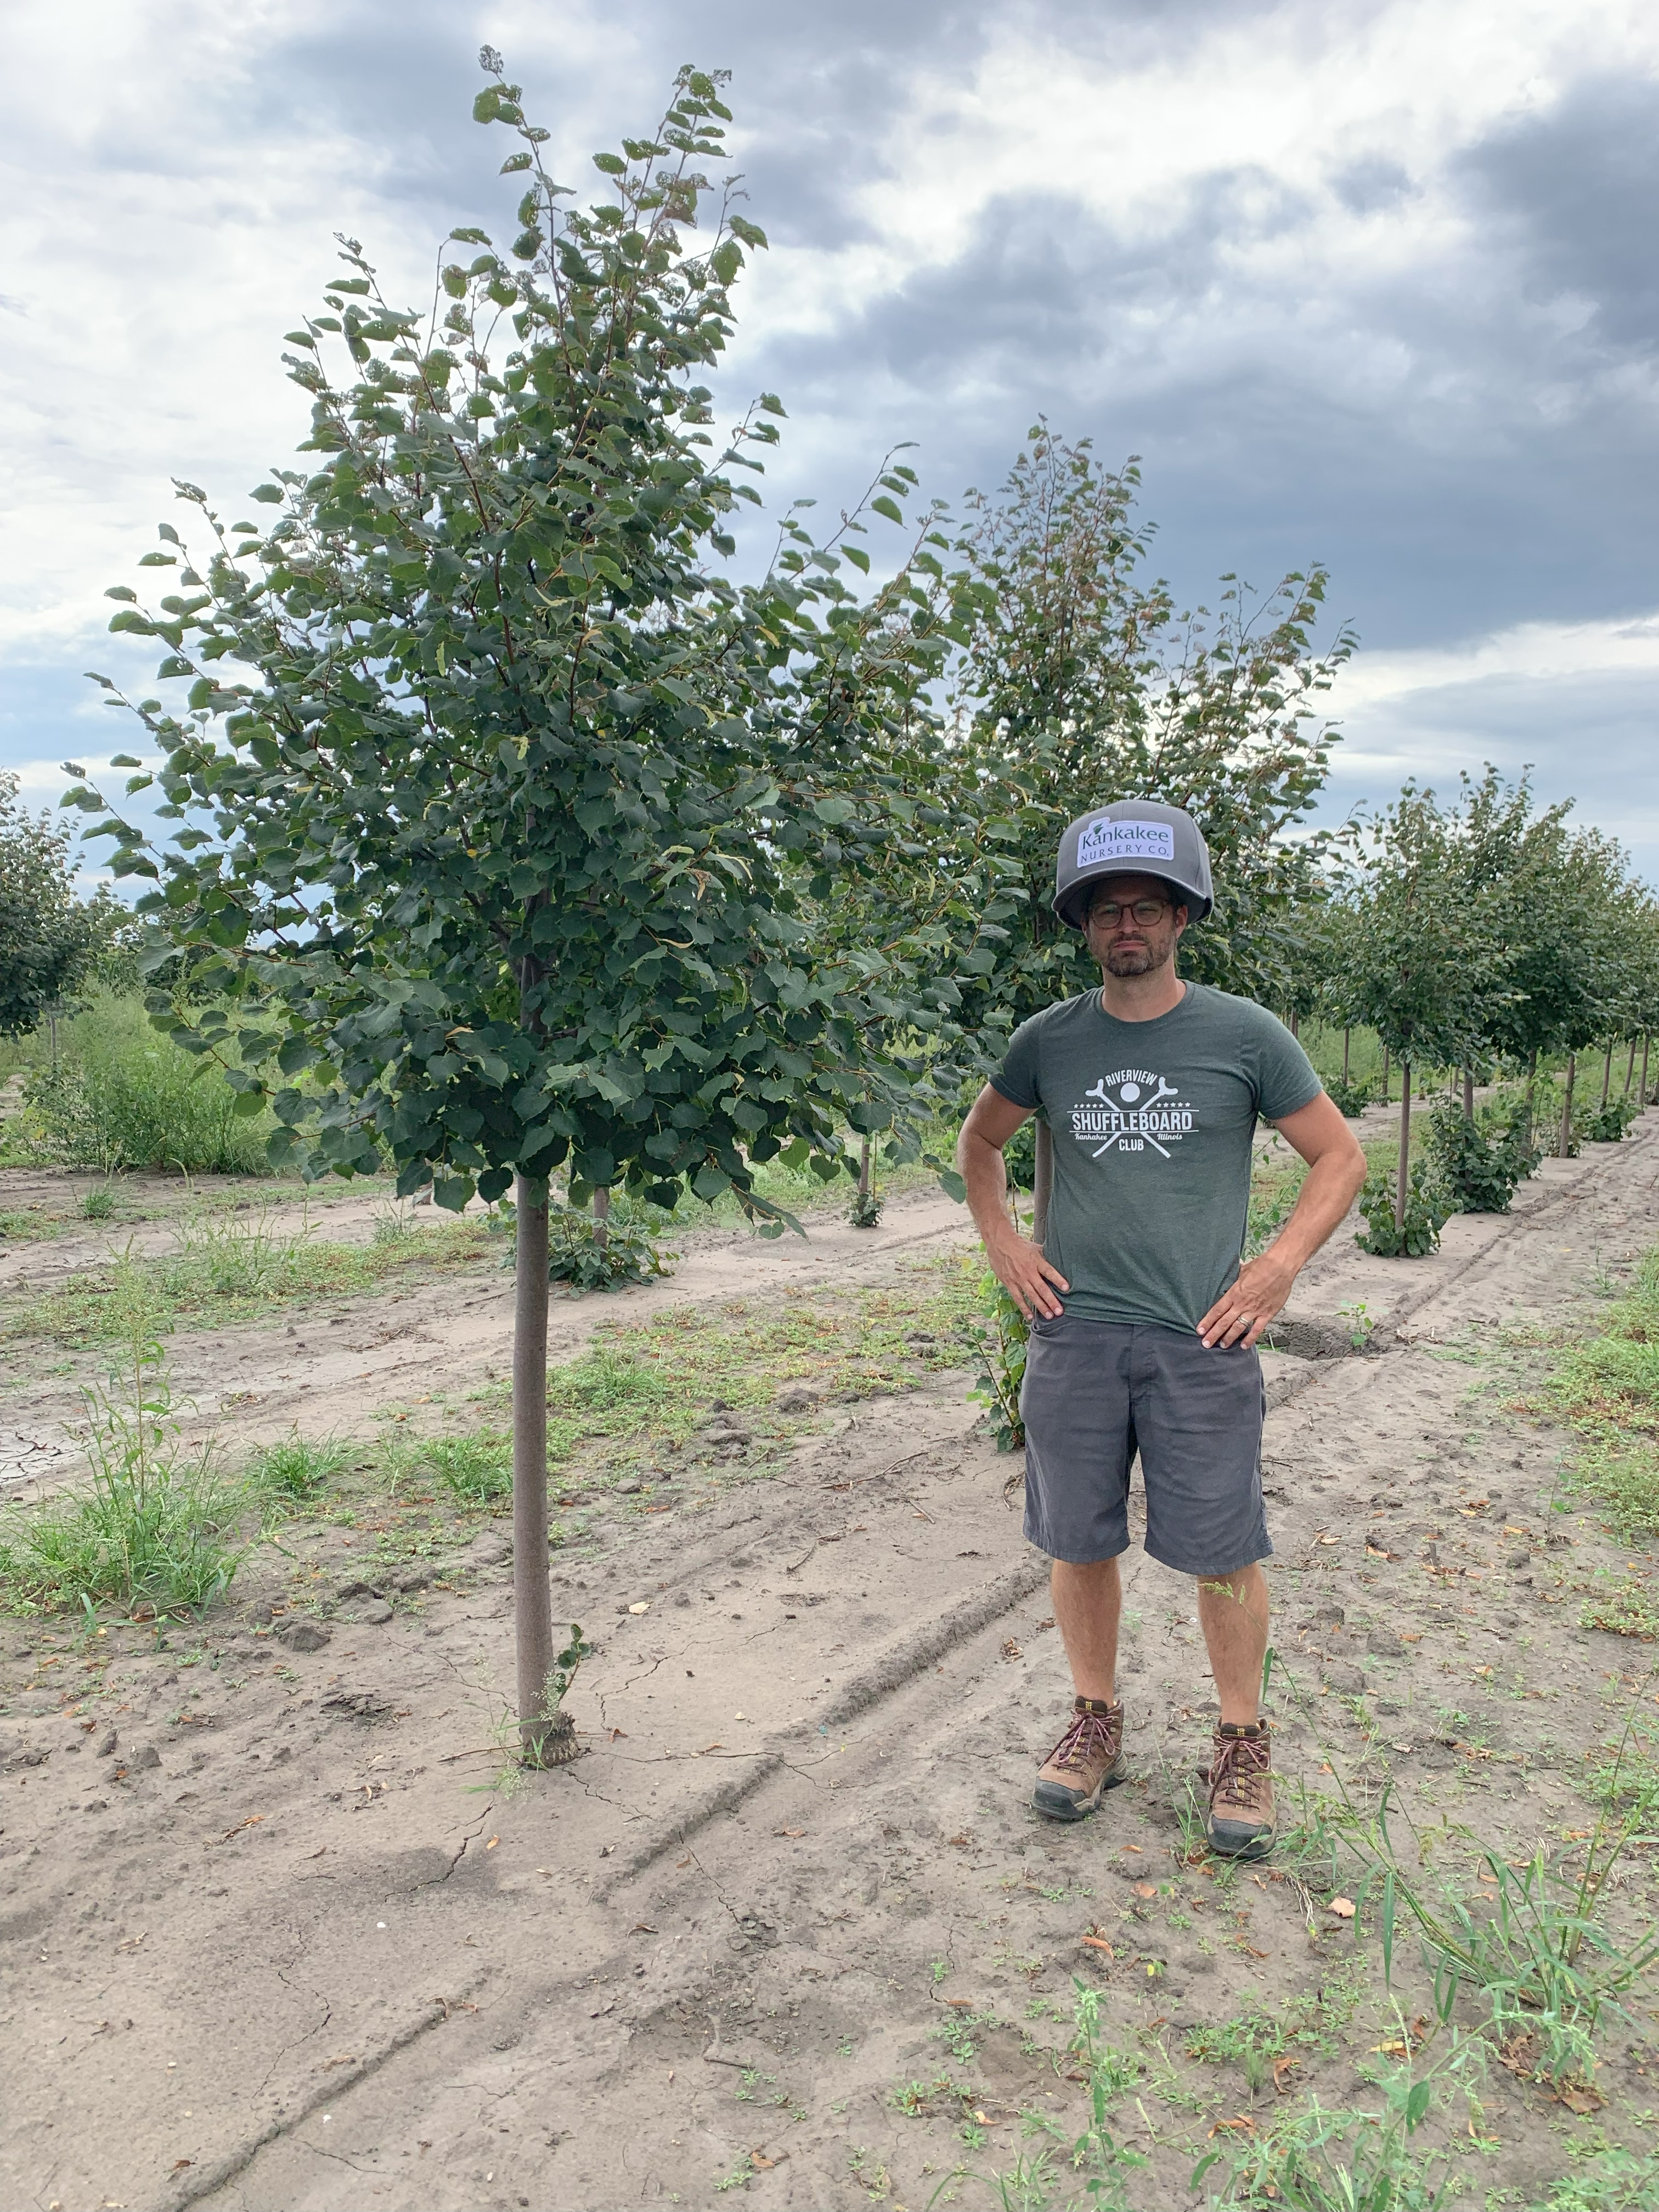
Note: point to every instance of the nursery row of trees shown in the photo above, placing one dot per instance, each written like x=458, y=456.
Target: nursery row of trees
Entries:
x=521, y=833
x=1482, y=934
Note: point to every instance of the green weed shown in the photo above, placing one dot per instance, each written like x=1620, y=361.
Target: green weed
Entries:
x=229, y=1269
x=1626, y=1609
x=1315, y=2160
x=476, y=1468
x=155, y=1530
x=1607, y=1385
x=1613, y=2180
x=122, y=1095
x=296, y=1467
x=1032, y=2183
x=1262, y=2042
x=647, y=1388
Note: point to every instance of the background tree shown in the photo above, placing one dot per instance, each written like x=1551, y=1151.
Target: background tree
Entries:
x=507, y=818
x=48, y=937
x=1424, y=951
x=1079, y=684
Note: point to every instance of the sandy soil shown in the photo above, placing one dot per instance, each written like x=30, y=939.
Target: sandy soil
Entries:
x=285, y=1931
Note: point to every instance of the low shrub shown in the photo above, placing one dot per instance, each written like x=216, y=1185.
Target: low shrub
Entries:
x=1350, y=1097
x=1476, y=1165
x=1003, y=1351
x=576, y=1256
x=1427, y=1214
x=1608, y=1124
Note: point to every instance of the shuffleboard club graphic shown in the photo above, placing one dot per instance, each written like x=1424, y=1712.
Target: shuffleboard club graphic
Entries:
x=1128, y=1111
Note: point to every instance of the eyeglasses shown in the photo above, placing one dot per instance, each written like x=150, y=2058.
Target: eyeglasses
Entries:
x=1108, y=913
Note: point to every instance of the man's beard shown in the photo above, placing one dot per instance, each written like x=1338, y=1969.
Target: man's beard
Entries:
x=1130, y=959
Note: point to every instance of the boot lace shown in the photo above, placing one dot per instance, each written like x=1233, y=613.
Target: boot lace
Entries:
x=1090, y=1737
x=1241, y=1771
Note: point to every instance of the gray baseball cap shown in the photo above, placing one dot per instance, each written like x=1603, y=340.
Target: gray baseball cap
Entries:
x=1133, y=837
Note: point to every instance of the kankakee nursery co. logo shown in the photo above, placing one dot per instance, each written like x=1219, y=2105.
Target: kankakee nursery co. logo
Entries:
x=1146, y=1110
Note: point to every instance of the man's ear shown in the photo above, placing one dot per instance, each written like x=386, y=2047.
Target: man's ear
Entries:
x=1181, y=918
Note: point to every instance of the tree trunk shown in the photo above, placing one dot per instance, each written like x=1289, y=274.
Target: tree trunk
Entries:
x=1468, y=1094
x=1043, y=1182
x=1645, y=1035
x=865, y=1150
x=1385, y=1075
x=1296, y=1024
x=532, y=1595
x=1566, y=1108
x=602, y=1220
x=1346, y=1034
x=1630, y=1066
x=1607, y=1073
x=1405, y=1145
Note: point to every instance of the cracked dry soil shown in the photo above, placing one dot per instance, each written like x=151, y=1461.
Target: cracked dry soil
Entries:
x=280, y=1933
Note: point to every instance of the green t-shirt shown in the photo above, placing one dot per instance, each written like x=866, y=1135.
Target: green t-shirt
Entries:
x=1152, y=1125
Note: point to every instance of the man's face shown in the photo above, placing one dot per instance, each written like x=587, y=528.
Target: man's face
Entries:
x=1125, y=946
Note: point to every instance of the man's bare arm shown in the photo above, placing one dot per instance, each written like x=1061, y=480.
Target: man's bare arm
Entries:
x=1336, y=1169
x=1017, y=1263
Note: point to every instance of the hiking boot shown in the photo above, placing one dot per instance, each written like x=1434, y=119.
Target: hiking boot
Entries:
x=1088, y=1759
x=1241, y=1822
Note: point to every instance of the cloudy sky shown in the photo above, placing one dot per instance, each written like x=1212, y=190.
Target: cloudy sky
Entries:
x=1365, y=281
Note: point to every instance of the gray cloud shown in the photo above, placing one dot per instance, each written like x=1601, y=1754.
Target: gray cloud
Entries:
x=1434, y=370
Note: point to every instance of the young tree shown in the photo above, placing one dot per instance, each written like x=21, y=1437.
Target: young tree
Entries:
x=1079, y=684
x=517, y=815
x=1424, y=952
x=47, y=936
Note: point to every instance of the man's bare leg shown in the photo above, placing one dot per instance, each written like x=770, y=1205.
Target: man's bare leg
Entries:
x=1088, y=1601
x=1232, y=1611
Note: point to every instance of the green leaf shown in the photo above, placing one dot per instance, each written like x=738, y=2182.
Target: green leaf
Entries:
x=1387, y=1929
x=953, y=1186
x=120, y=591
x=612, y=164
x=272, y=494
x=857, y=557
x=1416, y=2104
x=834, y=811
x=882, y=505
x=510, y=168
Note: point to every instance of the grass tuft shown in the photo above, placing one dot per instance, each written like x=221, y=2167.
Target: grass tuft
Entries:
x=156, y=1530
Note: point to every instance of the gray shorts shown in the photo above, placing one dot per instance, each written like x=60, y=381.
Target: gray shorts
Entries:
x=1098, y=1392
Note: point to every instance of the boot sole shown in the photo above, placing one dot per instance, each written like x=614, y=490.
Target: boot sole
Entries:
x=1246, y=1847
x=1059, y=1804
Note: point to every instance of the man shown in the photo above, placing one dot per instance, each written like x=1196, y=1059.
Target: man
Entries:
x=1143, y=1322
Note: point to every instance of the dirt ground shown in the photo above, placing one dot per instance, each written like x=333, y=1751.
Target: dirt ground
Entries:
x=285, y=1931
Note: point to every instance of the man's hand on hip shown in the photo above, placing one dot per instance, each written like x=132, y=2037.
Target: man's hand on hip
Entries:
x=1242, y=1312
x=1030, y=1282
